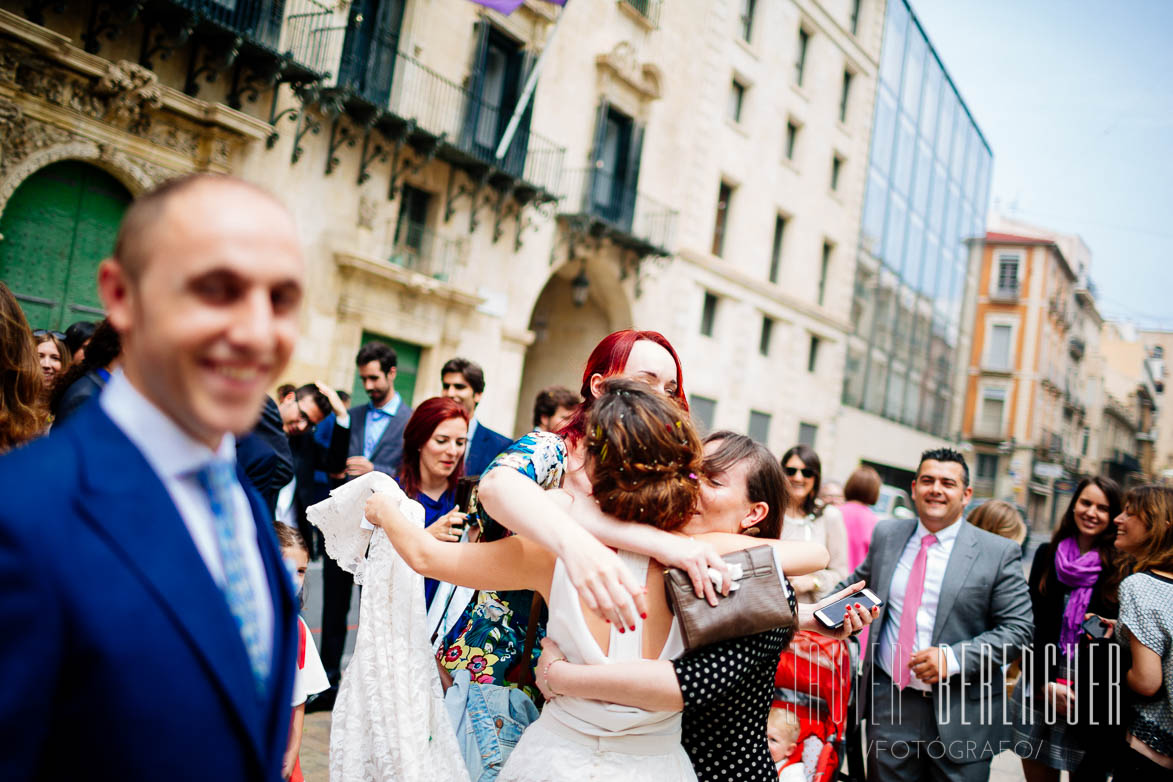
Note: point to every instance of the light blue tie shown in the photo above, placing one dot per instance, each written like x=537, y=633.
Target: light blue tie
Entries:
x=218, y=478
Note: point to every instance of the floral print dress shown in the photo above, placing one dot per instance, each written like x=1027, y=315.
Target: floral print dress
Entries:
x=489, y=638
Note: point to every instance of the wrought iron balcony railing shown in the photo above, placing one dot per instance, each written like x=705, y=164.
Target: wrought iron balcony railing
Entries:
x=415, y=246
x=470, y=126
x=313, y=35
x=258, y=20
x=630, y=215
x=648, y=9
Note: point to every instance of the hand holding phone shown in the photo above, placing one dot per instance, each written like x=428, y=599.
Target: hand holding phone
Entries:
x=1096, y=627
x=831, y=616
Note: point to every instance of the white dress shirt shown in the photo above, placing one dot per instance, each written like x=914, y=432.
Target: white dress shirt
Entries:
x=176, y=458
x=936, y=561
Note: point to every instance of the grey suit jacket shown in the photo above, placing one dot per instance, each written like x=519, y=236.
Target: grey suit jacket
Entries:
x=984, y=614
x=388, y=451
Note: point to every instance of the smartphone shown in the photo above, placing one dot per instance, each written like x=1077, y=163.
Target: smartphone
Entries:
x=466, y=493
x=1095, y=627
x=832, y=616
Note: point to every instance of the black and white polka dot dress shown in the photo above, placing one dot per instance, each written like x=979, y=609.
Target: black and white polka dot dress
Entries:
x=728, y=688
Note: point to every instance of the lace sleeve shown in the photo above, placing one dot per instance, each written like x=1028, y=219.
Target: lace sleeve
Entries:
x=340, y=518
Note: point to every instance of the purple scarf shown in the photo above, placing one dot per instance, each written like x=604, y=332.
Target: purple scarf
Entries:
x=1080, y=573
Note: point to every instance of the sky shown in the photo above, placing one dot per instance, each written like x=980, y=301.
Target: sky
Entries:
x=1075, y=100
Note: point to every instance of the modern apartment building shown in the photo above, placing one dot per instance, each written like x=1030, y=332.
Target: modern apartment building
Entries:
x=1026, y=404
x=928, y=180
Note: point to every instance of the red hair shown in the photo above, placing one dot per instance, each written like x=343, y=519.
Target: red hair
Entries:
x=420, y=427
x=609, y=358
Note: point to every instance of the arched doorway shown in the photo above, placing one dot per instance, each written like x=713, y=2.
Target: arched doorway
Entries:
x=565, y=334
x=57, y=227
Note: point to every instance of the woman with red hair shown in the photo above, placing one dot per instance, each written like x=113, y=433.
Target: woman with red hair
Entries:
x=516, y=496
x=433, y=458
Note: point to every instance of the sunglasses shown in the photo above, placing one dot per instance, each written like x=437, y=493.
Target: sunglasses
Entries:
x=807, y=472
x=46, y=333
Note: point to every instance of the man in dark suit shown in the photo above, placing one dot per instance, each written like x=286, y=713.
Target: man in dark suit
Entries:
x=956, y=608
x=147, y=617
x=464, y=381
x=375, y=434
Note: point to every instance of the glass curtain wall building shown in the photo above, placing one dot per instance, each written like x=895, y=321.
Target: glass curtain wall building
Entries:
x=927, y=191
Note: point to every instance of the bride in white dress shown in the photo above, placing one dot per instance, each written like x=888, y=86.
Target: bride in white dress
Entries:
x=643, y=457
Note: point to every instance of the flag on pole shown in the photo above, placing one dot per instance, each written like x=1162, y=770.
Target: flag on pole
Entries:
x=509, y=6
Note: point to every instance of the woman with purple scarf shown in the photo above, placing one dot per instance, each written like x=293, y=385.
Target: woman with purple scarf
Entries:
x=1076, y=574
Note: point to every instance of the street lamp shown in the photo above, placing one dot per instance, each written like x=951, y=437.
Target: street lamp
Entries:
x=580, y=286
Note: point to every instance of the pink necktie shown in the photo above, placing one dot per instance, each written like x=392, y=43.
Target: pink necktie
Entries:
x=906, y=643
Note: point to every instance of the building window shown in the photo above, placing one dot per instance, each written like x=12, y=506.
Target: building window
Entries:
x=853, y=22
x=986, y=469
x=836, y=169
x=824, y=268
x=844, y=96
x=1007, y=282
x=1086, y=437
x=759, y=426
x=703, y=411
x=411, y=227
x=767, y=333
x=724, y=196
x=791, y=139
x=998, y=352
x=992, y=409
x=804, y=39
x=807, y=434
x=812, y=358
x=746, y=21
x=776, y=250
x=736, y=101
x=708, y=314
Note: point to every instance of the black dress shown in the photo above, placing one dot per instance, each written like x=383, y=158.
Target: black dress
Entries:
x=728, y=688
x=1059, y=745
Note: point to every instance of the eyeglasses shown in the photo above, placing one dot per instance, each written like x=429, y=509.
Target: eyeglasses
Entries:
x=807, y=472
x=46, y=333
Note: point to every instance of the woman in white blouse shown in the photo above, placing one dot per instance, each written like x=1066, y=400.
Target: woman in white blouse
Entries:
x=809, y=518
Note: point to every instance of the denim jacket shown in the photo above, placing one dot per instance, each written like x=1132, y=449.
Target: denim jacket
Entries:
x=489, y=721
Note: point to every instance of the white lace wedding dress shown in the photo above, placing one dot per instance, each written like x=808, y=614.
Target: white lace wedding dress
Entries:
x=389, y=721
x=581, y=740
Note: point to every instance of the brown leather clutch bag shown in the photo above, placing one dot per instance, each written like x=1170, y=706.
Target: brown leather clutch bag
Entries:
x=756, y=603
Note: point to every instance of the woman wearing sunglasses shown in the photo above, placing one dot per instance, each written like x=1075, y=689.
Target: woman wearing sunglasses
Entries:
x=810, y=519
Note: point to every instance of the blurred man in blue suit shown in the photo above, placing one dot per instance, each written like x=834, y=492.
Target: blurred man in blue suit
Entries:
x=464, y=381
x=149, y=623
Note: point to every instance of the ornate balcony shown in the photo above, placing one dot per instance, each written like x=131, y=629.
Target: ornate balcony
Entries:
x=613, y=209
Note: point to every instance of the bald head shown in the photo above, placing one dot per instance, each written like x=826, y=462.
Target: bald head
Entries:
x=205, y=289
x=148, y=214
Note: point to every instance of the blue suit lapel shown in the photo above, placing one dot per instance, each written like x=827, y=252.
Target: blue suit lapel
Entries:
x=128, y=505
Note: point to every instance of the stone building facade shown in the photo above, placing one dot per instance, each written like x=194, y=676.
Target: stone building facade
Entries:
x=654, y=128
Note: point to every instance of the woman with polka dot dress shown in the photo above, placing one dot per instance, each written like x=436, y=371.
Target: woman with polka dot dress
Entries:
x=725, y=690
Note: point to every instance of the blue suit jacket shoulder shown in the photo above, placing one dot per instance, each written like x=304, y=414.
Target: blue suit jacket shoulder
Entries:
x=121, y=639
x=483, y=449
x=388, y=451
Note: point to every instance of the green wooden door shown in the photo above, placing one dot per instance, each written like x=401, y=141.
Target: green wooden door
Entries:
x=57, y=227
x=407, y=367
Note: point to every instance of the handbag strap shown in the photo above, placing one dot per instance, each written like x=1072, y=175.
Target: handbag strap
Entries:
x=526, y=674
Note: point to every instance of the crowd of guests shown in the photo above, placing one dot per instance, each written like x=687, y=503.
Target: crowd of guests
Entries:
x=514, y=622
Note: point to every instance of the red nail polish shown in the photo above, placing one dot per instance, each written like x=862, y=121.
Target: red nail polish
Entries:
x=643, y=616
x=608, y=621
x=857, y=605
x=622, y=630
x=633, y=628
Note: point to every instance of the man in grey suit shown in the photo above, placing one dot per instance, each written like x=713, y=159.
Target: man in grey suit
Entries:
x=956, y=608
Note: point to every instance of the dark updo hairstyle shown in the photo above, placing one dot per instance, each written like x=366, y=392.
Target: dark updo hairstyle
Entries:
x=105, y=346
x=812, y=505
x=764, y=479
x=644, y=455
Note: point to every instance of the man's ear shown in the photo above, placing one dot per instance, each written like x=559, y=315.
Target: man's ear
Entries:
x=114, y=289
x=391, y=375
x=476, y=399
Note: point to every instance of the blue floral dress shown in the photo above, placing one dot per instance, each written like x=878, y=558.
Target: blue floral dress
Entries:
x=489, y=638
